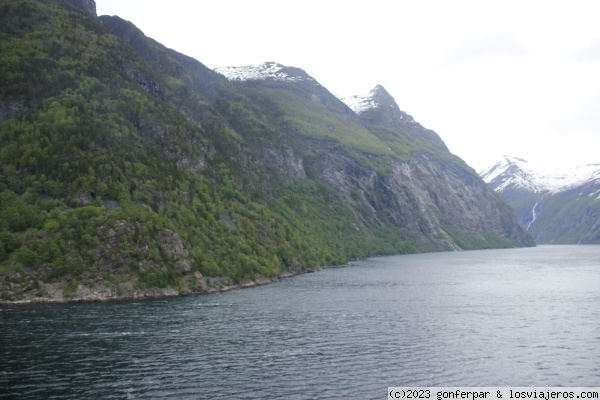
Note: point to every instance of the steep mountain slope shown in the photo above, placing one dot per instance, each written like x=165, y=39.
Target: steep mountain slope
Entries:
x=452, y=196
x=555, y=207
x=129, y=169
x=380, y=113
x=387, y=166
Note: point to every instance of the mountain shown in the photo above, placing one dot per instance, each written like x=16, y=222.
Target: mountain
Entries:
x=132, y=170
x=554, y=206
x=379, y=111
x=265, y=71
x=387, y=166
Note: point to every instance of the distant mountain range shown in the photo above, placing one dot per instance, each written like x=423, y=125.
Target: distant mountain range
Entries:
x=554, y=206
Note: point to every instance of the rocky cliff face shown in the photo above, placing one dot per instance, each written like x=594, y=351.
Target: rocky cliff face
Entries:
x=439, y=192
x=554, y=206
x=440, y=203
x=406, y=178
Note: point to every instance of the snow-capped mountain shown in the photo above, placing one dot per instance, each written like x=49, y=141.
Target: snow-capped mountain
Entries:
x=513, y=172
x=554, y=206
x=362, y=101
x=264, y=71
x=373, y=98
x=378, y=109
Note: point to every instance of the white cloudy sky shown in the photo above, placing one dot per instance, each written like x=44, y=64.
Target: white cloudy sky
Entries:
x=490, y=77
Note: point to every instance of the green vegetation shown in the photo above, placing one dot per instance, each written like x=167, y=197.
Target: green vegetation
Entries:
x=563, y=220
x=310, y=118
x=298, y=114
x=478, y=240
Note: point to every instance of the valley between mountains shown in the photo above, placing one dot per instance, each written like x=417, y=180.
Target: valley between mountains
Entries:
x=556, y=207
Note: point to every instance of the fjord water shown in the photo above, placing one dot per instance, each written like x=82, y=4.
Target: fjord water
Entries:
x=519, y=317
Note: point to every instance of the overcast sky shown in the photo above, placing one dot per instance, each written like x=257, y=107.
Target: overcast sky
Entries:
x=520, y=78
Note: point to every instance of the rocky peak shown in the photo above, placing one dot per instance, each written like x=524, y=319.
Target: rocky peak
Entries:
x=265, y=71
x=517, y=173
x=383, y=99
x=361, y=101
x=379, y=101
x=377, y=108
x=374, y=98
x=511, y=172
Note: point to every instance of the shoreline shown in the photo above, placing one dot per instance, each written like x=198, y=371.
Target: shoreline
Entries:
x=152, y=293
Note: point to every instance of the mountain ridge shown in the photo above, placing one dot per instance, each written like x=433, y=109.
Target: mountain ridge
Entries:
x=264, y=71
x=536, y=177
x=554, y=206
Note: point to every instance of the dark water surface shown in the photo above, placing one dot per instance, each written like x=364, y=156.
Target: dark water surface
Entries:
x=524, y=317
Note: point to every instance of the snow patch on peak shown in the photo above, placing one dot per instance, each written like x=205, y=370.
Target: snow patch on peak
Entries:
x=362, y=100
x=517, y=172
x=501, y=167
x=265, y=71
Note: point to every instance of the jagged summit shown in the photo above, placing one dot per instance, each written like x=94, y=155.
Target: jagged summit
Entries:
x=372, y=98
x=518, y=173
x=378, y=110
x=264, y=71
x=380, y=100
x=361, y=101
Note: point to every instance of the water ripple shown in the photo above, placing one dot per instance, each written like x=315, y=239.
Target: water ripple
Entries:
x=526, y=317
